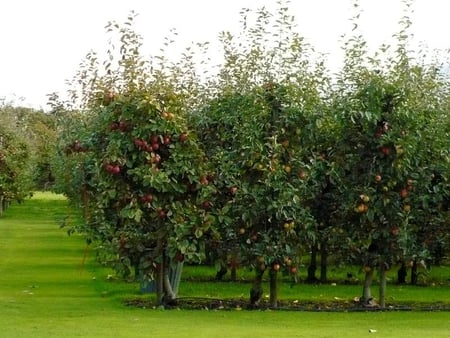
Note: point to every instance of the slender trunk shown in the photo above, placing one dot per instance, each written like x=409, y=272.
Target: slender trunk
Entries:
x=233, y=273
x=169, y=294
x=273, y=282
x=160, y=284
x=401, y=274
x=222, y=271
x=323, y=261
x=233, y=267
x=85, y=201
x=414, y=274
x=382, y=289
x=312, y=265
x=1, y=206
x=256, y=291
x=366, y=298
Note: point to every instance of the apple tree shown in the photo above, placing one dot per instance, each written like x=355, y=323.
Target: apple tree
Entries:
x=141, y=173
x=15, y=173
x=257, y=130
x=388, y=147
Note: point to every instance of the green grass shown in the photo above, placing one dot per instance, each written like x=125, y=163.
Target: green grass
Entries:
x=48, y=290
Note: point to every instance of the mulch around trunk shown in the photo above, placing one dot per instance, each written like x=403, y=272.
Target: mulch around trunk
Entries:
x=211, y=304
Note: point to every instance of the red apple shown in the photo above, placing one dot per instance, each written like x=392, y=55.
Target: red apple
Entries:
x=233, y=190
x=183, y=137
x=147, y=198
x=403, y=193
x=161, y=213
x=115, y=170
x=140, y=143
x=386, y=150
x=204, y=180
x=167, y=139
x=114, y=126
x=109, y=167
x=154, y=139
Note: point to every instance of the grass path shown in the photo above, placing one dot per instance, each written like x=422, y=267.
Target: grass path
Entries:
x=46, y=291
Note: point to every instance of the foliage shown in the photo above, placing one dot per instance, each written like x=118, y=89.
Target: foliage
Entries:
x=262, y=161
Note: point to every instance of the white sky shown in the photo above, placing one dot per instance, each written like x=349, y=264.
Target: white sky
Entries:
x=43, y=41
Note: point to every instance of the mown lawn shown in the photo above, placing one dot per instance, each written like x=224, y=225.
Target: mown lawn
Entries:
x=48, y=289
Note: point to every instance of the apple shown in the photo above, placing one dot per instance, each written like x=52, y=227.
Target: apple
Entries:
x=399, y=150
x=287, y=226
x=293, y=270
x=167, y=115
x=406, y=208
x=288, y=261
x=114, y=126
x=386, y=150
x=364, y=198
x=367, y=268
x=233, y=190
x=362, y=208
x=161, y=213
x=167, y=139
x=140, y=143
x=395, y=231
x=147, y=198
x=206, y=205
x=109, y=167
x=204, y=180
x=154, y=139
x=377, y=178
x=403, y=193
x=287, y=168
x=115, y=170
x=183, y=137
x=155, y=146
x=123, y=126
x=276, y=267
x=302, y=174
x=156, y=158
x=241, y=231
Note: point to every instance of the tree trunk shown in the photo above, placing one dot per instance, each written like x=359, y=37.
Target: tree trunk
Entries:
x=273, y=282
x=222, y=271
x=382, y=290
x=366, y=298
x=256, y=291
x=169, y=295
x=160, y=285
x=233, y=273
x=1, y=206
x=311, y=278
x=414, y=274
x=323, y=261
x=402, y=273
